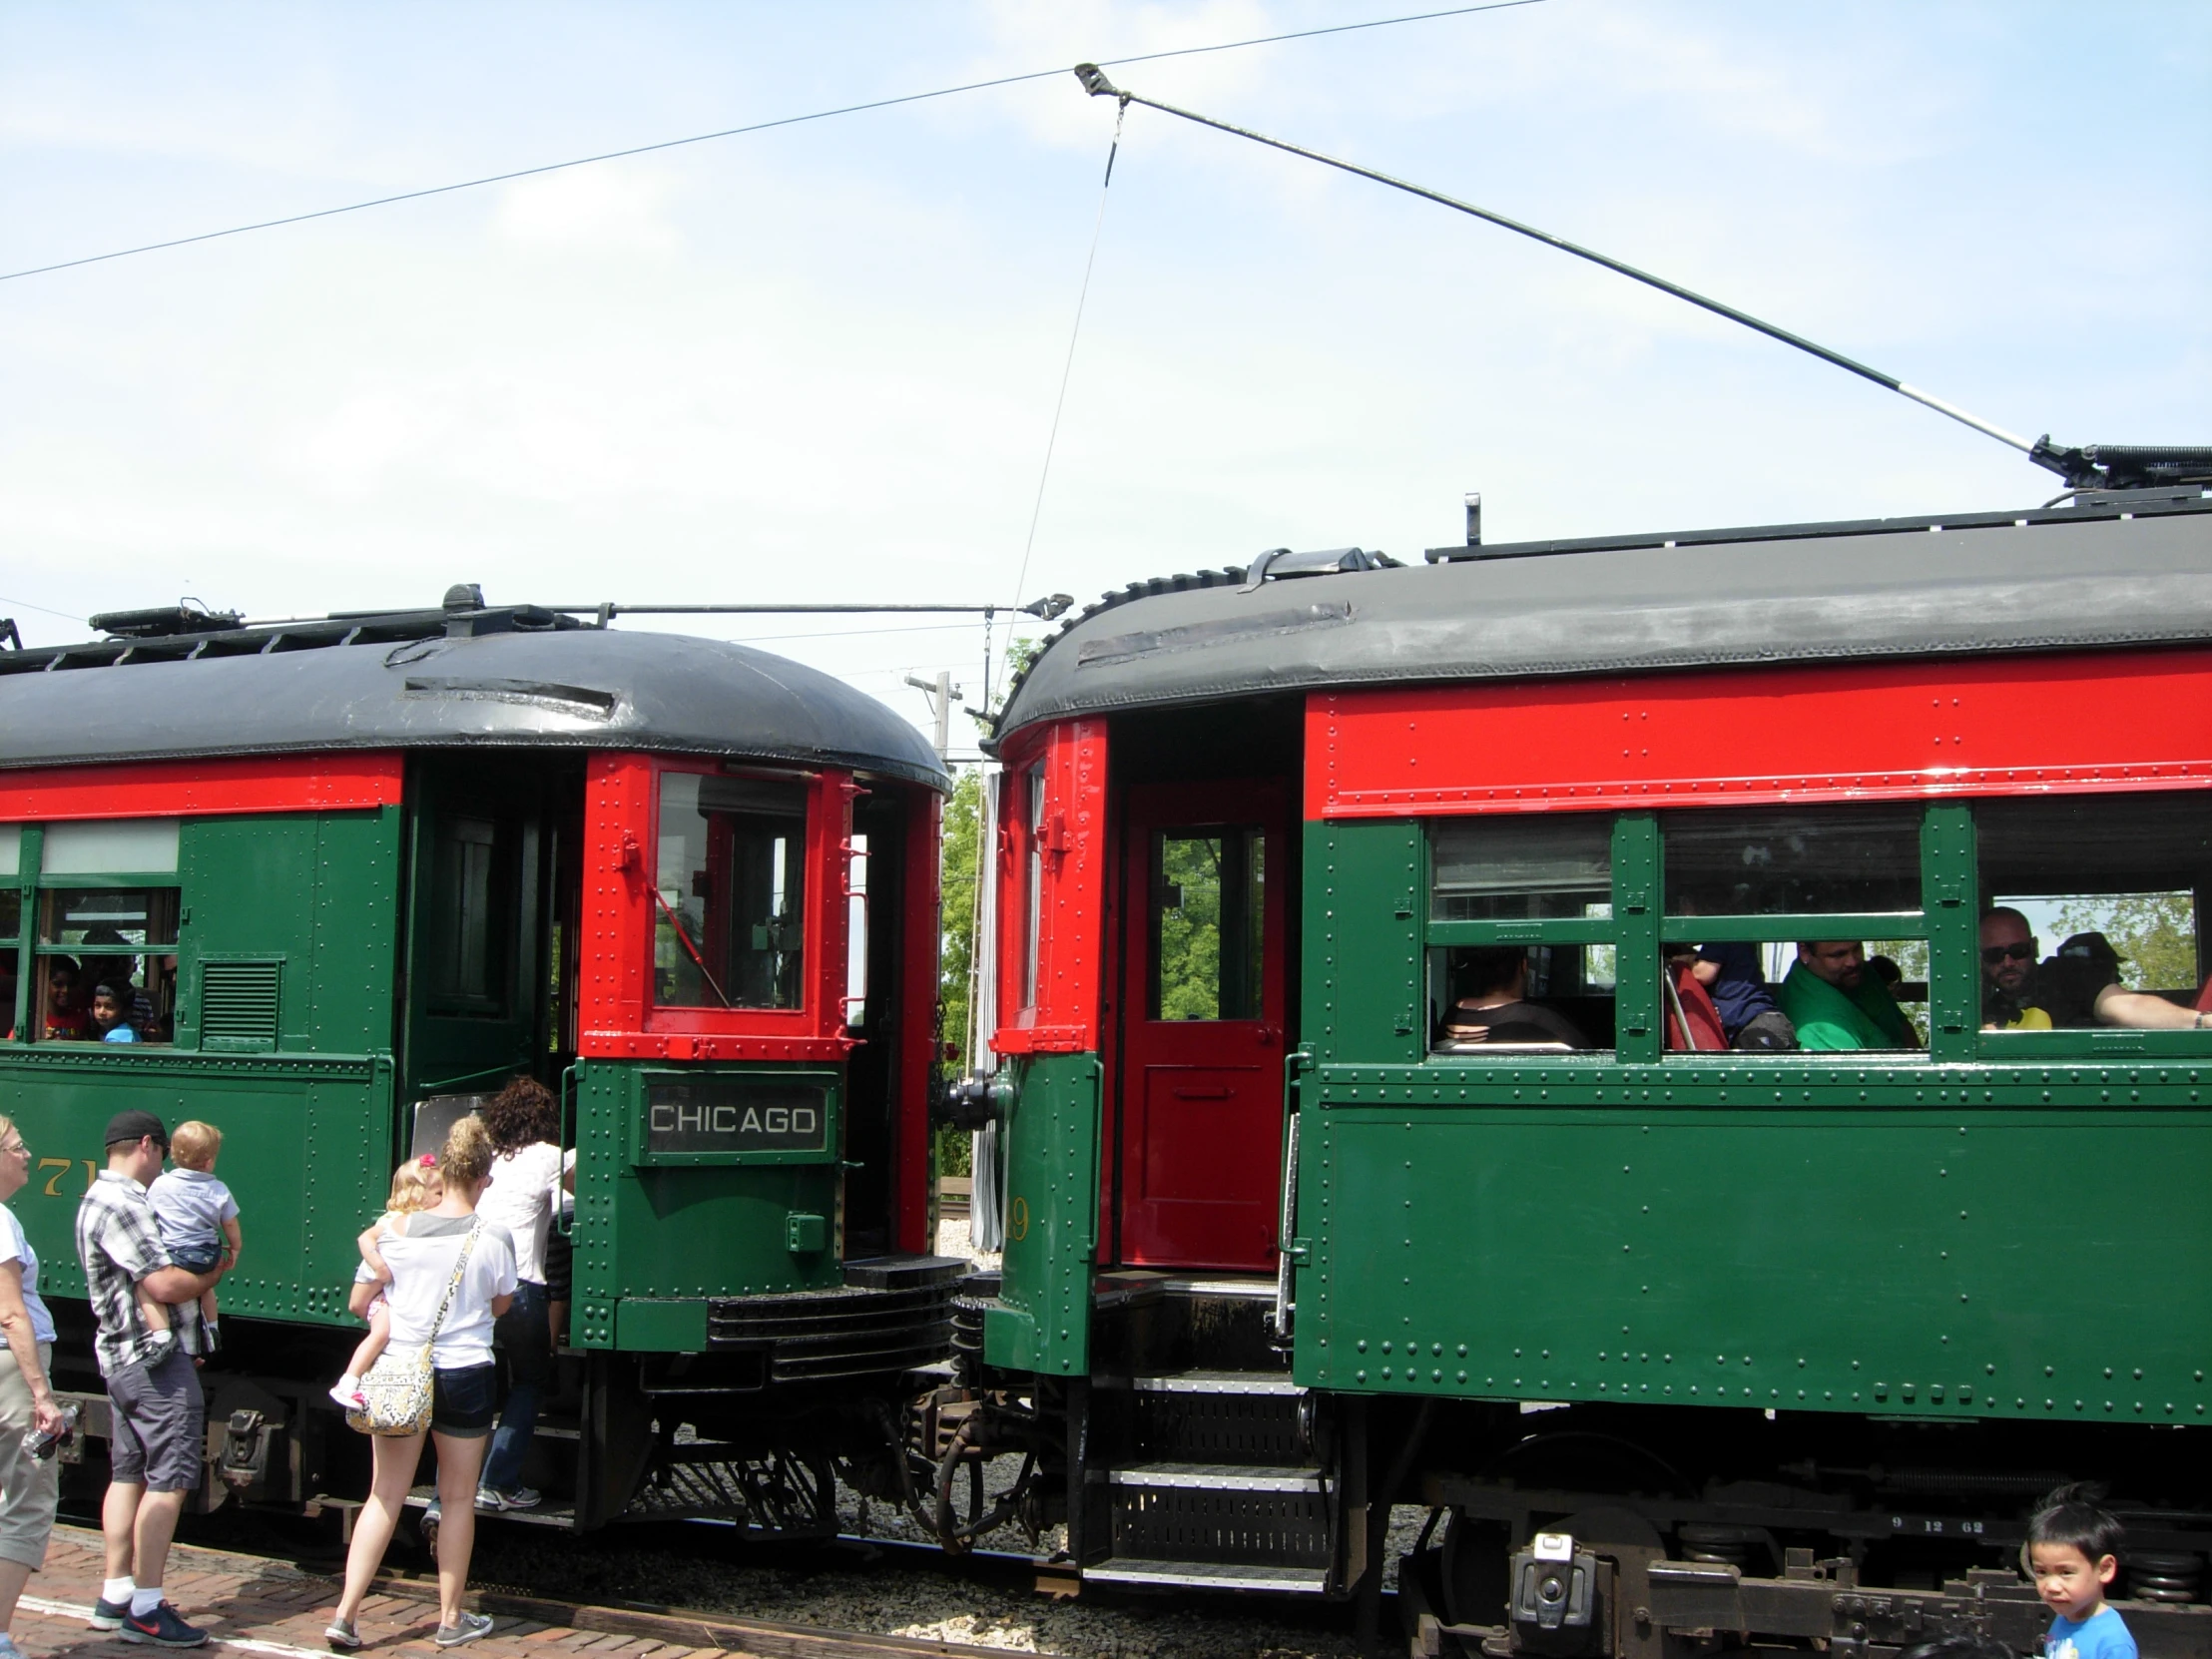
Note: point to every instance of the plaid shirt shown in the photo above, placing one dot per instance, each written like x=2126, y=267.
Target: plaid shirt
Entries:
x=119, y=1243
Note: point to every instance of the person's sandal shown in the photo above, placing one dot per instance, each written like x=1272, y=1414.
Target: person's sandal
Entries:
x=466, y=1629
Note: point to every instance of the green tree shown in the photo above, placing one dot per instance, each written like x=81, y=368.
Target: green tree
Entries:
x=2154, y=932
x=961, y=859
x=1190, y=929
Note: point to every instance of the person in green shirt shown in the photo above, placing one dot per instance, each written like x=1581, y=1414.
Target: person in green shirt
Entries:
x=1834, y=1003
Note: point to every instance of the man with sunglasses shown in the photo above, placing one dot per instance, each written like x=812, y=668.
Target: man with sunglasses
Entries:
x=2008, y=989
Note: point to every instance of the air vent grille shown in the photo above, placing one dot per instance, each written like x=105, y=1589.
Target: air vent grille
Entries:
x=237, y=1005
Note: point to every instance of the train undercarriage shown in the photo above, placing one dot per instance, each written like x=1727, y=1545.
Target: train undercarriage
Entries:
x=1190, y=1460
x=792, y=1395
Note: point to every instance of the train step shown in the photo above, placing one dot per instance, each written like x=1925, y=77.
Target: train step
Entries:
x=1200, y=1575
x=1207, y=1382
x=1216, y=1478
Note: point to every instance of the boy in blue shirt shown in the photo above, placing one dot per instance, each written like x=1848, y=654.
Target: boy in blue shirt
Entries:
x=2073, y=1554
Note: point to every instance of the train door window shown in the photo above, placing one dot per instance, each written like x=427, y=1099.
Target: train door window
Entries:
x=1032, y=881
x=1524, y=900
x=2091, y=911
x=1208, y=912
x=468, y=921
x=1811, y=913
x=730, y=892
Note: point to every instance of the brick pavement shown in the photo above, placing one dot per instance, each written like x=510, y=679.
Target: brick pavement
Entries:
x=268, y=1608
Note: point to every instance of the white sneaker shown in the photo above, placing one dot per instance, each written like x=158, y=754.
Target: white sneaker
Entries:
x=347, y=1390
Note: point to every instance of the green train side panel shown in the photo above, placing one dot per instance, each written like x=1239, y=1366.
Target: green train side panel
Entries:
x=1043, y=1319
x=305, y=1113
x=315, y=893
x=1840, y=1242
x=299, y=1214
x=1364, y=993
x=656, y=1242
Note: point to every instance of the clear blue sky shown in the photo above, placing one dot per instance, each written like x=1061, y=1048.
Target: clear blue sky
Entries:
x=821, y=362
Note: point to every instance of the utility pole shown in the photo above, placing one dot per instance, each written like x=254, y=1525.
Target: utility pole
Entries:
x=940, y=691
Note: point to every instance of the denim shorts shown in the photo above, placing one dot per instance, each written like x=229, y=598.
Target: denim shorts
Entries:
x=197, y=1258
x=465, y=1400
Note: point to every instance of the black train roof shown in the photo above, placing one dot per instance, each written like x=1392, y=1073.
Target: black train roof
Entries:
x=2120, y=572
x=510, y=678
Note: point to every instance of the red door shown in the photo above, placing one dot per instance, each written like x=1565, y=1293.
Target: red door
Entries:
x=1205, y=873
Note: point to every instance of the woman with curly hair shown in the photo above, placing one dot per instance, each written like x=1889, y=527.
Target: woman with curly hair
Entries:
x=524, y=1122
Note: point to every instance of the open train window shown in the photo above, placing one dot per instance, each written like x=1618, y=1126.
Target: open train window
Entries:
x=1520, y=931
x=104, y=955
x=2091, y=911
x=11, y=928
x=730, y=892
x=1810, y=912
x=106, y=964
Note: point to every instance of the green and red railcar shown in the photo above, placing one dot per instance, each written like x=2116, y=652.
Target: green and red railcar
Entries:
x=1781, y=1343
x=361, y=871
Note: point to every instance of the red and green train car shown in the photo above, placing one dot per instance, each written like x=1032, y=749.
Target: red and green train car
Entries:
x=1678, y=1347
x=361, y=871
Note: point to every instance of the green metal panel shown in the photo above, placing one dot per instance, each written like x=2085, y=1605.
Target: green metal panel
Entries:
x=1949, y=899
x=307, y=1148
x=1638, y=885
x=1043, y=1319
x=662, y=1234
x=1809, y=1235
x=1366, y=889
x=661, y=1327
x=317, y=893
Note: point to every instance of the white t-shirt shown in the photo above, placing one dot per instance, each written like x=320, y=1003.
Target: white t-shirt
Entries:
x=421, y=1262
x=191, y=1205
x=14, y=1246
x=520, y=1197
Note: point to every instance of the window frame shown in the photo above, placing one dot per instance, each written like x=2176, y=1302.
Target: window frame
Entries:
x=33, y=885
x=1639, y=928
x=617, y=1016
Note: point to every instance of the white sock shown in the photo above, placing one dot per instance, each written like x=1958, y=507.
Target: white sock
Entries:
x=116, y=1591
x=144, y=1602
x=351, y=1383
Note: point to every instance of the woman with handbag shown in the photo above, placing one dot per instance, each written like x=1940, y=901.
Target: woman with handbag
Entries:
x=452, y=1275
x=29, y=1479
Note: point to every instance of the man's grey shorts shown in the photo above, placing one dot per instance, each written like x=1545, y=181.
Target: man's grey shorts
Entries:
x=159, y=1424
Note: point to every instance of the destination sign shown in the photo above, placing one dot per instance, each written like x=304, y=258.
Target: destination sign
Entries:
x=736, y=1114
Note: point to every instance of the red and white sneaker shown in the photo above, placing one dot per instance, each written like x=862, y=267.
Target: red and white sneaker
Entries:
x=347, y=1390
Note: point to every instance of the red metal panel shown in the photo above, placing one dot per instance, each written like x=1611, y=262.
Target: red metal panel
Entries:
x=203, y=789
x=1866, y=731
x=617, y=1015
x=917, y=1048
x=1064, y=1017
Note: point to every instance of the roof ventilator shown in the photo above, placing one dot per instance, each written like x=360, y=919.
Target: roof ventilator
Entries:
x=1279, y=564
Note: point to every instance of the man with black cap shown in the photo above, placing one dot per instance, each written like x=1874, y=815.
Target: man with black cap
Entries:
x=157, y=1414
x=2085, y=979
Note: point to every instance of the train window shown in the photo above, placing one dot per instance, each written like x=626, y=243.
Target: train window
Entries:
x=1850, y=969
x=469, y=920
x=1208, y=915
x=1032, y=881
x=1521, y=868
x=730, y=892
x=1793, y=861
x=2091, y=907
x=106, y=963
x=110, y=846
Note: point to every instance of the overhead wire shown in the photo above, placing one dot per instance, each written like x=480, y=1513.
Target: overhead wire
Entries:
x=737, y=131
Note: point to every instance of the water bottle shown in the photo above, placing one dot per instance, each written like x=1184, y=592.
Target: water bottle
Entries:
x=41, y=1446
